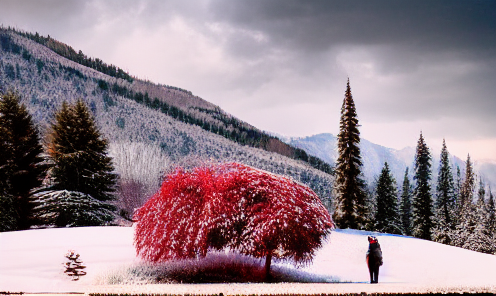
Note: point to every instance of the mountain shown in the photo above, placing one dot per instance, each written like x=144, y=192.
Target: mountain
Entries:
x=324, y=146
x=187, y=129
x=173, y=101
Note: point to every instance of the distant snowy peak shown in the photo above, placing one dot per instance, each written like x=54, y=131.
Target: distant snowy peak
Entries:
x=374, y=156
x=324, y=146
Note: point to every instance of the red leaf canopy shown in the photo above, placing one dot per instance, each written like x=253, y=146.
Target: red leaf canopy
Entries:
x=231, y=205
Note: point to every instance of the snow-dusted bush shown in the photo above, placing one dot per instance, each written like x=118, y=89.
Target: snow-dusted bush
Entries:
x=231, y=205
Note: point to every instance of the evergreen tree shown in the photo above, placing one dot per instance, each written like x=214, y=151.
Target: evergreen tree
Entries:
x=74, y=266
x=467, y=188
x=23, y=166
x=491, y=213
x=387, y=218
x=79, y=154
x=351, y=198
x=406, y=205
x=482, y=192
x=491, y=216
x=422, y=200
x=467, y=220
x=458, y=190
x=445, y=201
x=8, y=215
x=5, y=157
x=474, y=233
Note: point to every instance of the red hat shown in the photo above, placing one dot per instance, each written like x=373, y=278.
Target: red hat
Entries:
x=372, y=239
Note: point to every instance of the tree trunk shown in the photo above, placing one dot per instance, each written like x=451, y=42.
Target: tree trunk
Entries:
x=268, y=260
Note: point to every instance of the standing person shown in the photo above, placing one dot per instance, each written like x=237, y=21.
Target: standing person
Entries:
x=374, y=259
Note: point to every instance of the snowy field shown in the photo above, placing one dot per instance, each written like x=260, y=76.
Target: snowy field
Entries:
x=32, y=261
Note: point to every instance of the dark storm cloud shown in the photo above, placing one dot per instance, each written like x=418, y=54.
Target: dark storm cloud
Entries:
x=405, y=37
x=469, y=26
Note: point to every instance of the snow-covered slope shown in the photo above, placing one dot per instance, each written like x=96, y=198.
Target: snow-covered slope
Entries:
x=44, y=80
x=31, y=261
x=324, y=146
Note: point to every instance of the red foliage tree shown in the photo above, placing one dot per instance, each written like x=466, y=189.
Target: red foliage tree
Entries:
x=231, y=205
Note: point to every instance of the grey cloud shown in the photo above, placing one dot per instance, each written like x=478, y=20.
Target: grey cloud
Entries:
x=318, y=25
x=428, y=59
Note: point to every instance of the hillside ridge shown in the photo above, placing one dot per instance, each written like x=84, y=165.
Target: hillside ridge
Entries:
x=173, y=101
x=126, y=115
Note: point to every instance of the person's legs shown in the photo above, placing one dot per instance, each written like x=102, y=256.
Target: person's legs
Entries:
x=375, y=279
x=371, y=271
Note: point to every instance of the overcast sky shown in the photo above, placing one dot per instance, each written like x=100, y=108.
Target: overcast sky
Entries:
x=282, y=65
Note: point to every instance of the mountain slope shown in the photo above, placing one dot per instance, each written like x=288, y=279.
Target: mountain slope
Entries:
x=173, y=101
x=44, y=79
x=324, y=146
x=373, y=156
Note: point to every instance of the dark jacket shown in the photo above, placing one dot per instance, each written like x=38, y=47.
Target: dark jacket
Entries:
x=374, y=254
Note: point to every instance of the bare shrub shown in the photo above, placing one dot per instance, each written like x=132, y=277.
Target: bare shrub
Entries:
x=140, y=167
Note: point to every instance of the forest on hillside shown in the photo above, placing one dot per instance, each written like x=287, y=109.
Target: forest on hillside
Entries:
x=145, y=142
x=173, y=101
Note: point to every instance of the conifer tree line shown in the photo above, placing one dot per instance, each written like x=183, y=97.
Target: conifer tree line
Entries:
x=70, y=183
x=442, y=208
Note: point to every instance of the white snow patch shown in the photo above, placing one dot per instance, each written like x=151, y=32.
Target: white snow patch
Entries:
x=31, y=261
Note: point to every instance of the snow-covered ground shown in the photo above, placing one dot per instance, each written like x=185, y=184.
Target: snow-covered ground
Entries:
x=31, y=261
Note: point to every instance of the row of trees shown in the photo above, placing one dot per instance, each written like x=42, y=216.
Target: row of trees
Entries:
x=455, y=215
x=68, y=52
x=223, y=124
x=70, y=185
x=452, y=215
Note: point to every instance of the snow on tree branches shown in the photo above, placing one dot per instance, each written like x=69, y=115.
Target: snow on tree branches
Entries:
x=74, y=266
x=64, y=208
x=351, y=210
x=231, y=205
x=79, y=152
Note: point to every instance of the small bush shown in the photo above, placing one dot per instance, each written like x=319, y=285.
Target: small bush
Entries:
x=217, y=267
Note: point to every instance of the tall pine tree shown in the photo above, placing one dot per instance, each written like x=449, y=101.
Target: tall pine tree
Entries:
x=351, y=197
x=491, y=213
x=24, y=167
x=406, y=205
x=79, y=154
x=445, y=199
x=8, y=213
x=457, y=193
x=467, y=218
x=387, y=218
x=474, y=232
x=467, y=189
x=482, y=192
x=422, y=199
